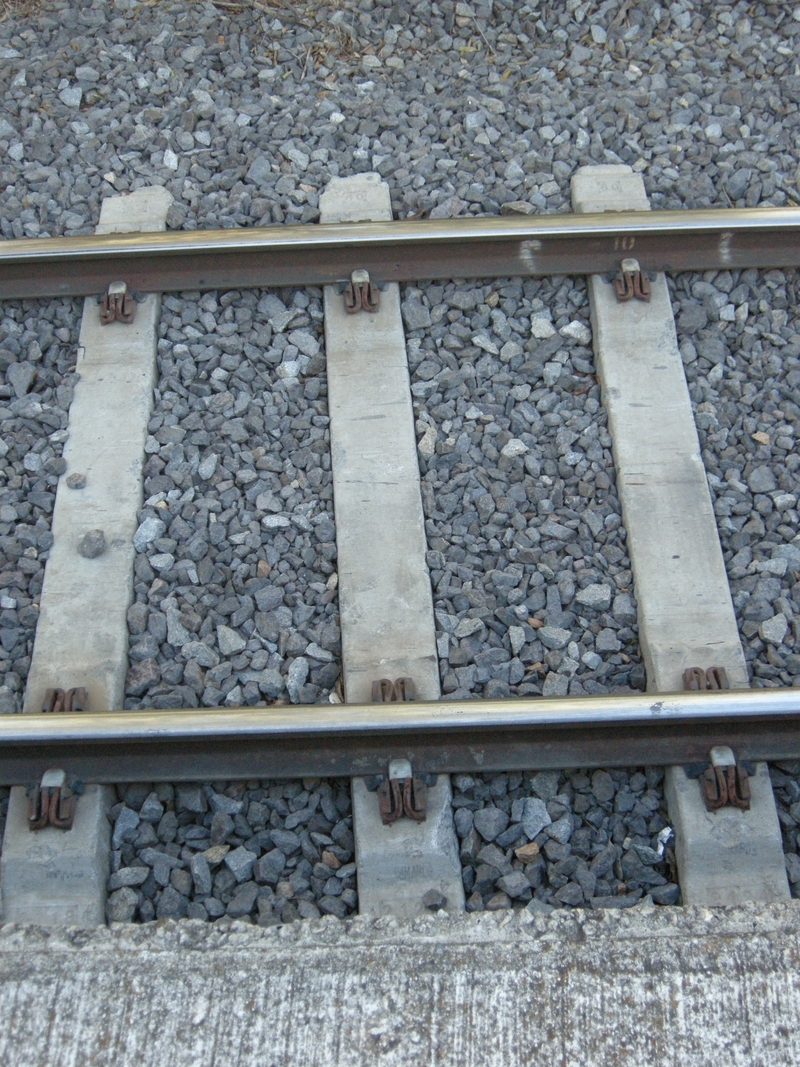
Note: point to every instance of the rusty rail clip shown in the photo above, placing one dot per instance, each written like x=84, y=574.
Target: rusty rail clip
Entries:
x=631, y=282
x=117, y=305
x=360, y=294
x=695, y=678
x=385, y=691
x=401, y=794
x=58, y=700
x=725, y=781
x=52, y=802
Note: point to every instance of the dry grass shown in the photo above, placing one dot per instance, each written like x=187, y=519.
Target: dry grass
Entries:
x=274, y=8
x=18, y=9
x=25, y=8
x=236, y=7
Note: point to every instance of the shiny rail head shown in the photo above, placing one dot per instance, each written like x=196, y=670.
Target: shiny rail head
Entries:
x=726, y=222
x=402, y=251
x=622, y=710
x=346, y=741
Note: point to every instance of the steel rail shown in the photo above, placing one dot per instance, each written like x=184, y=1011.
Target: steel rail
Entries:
x=320, y=740
x=401, y=251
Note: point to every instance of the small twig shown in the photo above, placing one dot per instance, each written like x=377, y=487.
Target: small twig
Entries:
x=489, y=49
x=624, y=8
x=305, y=64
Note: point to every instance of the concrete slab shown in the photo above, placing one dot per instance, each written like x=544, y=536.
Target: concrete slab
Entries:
x=57, y=877
x=108, y=428
x=82, y=634
x=385, y=597
x=399, y=863
x=655, y=987
x=686, y=616
x=727, y=856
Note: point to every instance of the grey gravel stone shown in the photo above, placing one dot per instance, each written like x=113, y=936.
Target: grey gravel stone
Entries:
x=545, y=784
x=92, y=544
x=761, y=480
x=270, y=867
x=595, y=596
x=561, y=829
x=665, y=894
x=239, y=559
x=240, y=862
x=171, y=904
x=298, y=673
x=21, y=377
x=71, y=96
x=333, y=906
x=773, y=630
x=535, y=817
x=490, y=821
x=554, y=637
x=125, y=826
x=226, y=851
x=415, y=315
x=515, y=885
x=434, y=899
x=224, y=805
x=571, y=894
x=148, y=531
x=786, y=789
x=129, y=876
x=201, y=875
x=568, y=851
x=121, y=905
x=793, y=867
x=603, y=786
x=152, y=809
x=243, y=900
x=229, y=641
x=190, y=797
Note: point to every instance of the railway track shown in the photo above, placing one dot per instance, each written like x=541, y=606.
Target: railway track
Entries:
x=537, y=505
x=433, y=735
x=388, y=628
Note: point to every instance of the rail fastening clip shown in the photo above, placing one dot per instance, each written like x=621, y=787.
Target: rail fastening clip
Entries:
x=725, y=782
x=117, y=305
x=361, y=294
x=631, y=282
x=401, y=794
x=52, y=802
x=59, y=700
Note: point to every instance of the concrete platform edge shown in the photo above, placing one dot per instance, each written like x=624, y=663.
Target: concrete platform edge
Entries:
x=650, y=985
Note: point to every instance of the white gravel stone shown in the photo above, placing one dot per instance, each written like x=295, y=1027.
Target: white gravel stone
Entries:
x=229, y=641
x=516, y=636
x=554, y=636
x=577, y=331
x=774, y=629
x=542, y=327
x=298, y=673
x=71, y=96
x=276, y=522
x=207, y=466
x=535, y=817
x=426, y=446
x=594, y=596
x=514, y=447
x=147, y=532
